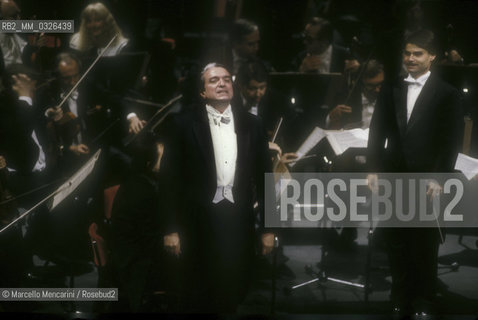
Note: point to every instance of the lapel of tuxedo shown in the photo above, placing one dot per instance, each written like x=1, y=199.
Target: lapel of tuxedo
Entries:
x=424, y=99
x=400, y=101
x=243, y=136
x=203, y=136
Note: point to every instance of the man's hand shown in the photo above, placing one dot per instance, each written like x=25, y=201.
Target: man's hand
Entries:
x=289, y=157
x=23, y=85
x=172, y=244
x=54, y=114
x=433, y=190
x=135, y=125
x=79, y=149
x=275, y=147
x=372, y=180
x=311, y=63
x=337, y=112
x=351, y=66
x=267, y=243
x=3, y=163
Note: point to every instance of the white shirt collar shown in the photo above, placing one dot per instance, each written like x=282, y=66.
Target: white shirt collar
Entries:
x=420, y=80
x=213, y=111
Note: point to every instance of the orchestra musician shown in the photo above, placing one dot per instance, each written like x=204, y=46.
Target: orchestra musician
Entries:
x=357, y=110
x=97, y=28
x=419, y=119
x=216, y=156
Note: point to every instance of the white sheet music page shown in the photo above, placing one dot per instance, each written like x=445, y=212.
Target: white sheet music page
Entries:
x=467, y=165
x=344, y=139
x=315, y=137
x=71, y=184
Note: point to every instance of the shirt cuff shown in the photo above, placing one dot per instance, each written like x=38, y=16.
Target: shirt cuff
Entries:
x=26, y=99
x=131, y=115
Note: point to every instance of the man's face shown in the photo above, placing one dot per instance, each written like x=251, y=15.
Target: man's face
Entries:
x=254, y=91
x=69, y=73
x=314, y=44
x=371, y=86
x=249, y=45
x=417, y=60
x=217, y=85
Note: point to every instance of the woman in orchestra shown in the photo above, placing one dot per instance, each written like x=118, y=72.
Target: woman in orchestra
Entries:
x=98, y=27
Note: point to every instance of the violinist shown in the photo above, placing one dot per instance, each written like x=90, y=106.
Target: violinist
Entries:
x=357, y=110
x=98, y=27
x=256, y=97
x=14, y=48
x=73, y=134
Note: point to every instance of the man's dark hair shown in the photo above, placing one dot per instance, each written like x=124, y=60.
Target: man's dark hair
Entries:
x=242, y=28
x=325, y=31
x=372, y=69
x=252, y=70
x=423, y=39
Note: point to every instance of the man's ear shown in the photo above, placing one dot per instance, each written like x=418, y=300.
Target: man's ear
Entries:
x=433, y=57
x=203, y=94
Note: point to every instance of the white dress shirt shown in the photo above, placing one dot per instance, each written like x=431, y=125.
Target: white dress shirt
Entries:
x=73, y=106
x=367, y=111
x=12, y=47
x=415, y=86
x=325, y=58
x=252, y=109
x=224, y=141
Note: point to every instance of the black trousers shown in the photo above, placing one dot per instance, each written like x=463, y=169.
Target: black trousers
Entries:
x=219, y=254
x=413, y=254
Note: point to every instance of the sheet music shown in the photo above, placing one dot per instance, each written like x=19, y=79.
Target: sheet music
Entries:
x=315, y=137
x=342, y=140
x=467, y=165
x=71, y=184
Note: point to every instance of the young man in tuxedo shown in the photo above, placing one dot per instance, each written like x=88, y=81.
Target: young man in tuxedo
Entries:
x=416, y=127
x=217, y=156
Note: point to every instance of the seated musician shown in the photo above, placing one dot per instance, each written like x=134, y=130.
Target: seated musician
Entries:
x=358, y=110
x=98, y=27
x=245, y=40
x=320, y=54
x=257, y=98
x=74, y=135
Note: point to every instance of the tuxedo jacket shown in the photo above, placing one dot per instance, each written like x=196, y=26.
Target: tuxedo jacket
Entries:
x=429, y=142
x=17, y=122
x=189, y=163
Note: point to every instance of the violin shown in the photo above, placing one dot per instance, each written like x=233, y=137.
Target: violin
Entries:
x=64, y=125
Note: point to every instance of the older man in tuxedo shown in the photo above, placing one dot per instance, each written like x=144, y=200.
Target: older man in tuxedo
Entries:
x=217, y=157
x=416, y=127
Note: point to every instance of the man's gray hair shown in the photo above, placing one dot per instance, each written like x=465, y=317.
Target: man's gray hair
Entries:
x=210, y=66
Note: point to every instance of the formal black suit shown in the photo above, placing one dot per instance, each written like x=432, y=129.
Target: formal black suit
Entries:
x=217, y=239
x=427, y=143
